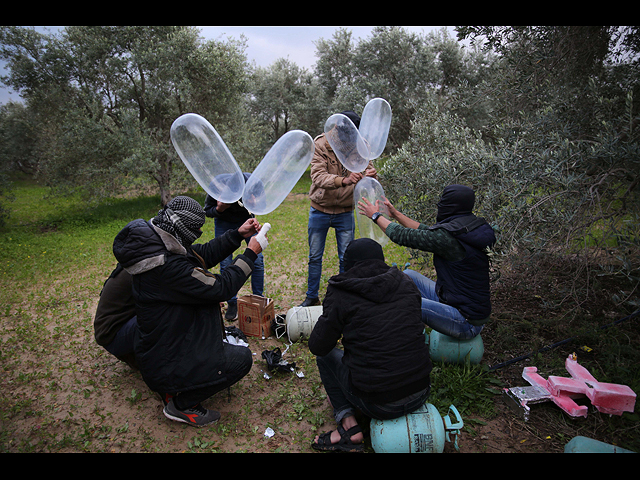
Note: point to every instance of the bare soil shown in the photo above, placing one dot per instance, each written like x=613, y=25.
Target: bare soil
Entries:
x=95, y=403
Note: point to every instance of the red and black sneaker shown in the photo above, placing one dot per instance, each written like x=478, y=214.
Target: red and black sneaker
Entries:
x=196, y=416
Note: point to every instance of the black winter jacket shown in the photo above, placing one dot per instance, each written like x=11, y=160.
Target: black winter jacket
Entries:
x=179, y=346
x=376, y=310
x=464, y=284
x=235, y=212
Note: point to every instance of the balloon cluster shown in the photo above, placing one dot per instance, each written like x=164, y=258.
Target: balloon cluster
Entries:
x=213, y=166
x=355, y=148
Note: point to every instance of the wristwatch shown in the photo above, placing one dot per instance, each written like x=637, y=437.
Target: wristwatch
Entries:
x=375, y=217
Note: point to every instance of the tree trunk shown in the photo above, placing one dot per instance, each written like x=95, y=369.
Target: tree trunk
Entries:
x=163, y=177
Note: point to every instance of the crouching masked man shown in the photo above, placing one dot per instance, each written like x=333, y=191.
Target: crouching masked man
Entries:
x=179, y=346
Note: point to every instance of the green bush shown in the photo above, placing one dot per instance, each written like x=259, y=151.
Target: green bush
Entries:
x=546, y=191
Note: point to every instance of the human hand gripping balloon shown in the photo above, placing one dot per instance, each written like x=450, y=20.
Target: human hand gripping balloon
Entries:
x=249, y=228
x=221, y=206
x=369, y=196
x=366, y=208
x=352, y=178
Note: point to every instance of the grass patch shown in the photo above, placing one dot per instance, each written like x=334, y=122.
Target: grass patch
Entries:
x=63, y=393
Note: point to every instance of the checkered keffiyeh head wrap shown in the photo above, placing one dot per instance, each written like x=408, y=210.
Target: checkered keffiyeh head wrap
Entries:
x=182, y=217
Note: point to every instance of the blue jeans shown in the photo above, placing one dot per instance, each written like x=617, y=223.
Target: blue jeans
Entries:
x=335, y=378
x=257, y=276
x=319, y=224
x=441, y=317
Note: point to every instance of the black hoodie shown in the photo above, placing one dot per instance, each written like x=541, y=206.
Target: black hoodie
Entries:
x=179, y=343
x=376, y=310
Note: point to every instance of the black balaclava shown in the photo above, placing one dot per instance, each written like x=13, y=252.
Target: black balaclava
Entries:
x=455, y=200
x=353, y=116
x=362, y=249
x=182, y=217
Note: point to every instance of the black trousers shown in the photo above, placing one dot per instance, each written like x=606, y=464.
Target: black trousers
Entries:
x=238, y=361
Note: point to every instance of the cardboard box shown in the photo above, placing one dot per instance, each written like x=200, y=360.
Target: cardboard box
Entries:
x=255, y=315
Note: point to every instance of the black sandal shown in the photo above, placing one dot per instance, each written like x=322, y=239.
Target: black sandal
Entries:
x=344, y=445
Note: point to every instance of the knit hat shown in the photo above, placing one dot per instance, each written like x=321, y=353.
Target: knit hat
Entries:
x=362, y=249
x=182, y=217
x=455, y=200
x=353, y=116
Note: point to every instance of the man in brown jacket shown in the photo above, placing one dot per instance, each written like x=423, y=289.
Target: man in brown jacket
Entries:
x=332, y=205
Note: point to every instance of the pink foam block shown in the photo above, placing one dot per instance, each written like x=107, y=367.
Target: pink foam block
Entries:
x=606, y=397
x=565, y=402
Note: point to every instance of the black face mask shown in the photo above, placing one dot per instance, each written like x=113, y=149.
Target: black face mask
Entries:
x=362, y=249
x=455, y=200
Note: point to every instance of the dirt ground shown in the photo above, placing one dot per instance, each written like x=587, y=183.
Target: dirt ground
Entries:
x=96, y=403
x=243, y=429
x=258, y=403
x=92, y=402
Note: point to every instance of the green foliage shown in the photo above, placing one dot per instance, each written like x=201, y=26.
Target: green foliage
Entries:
x=470, y=388
x=546, y=187
x=542, y=122
x=402, y=67
x=107, y=96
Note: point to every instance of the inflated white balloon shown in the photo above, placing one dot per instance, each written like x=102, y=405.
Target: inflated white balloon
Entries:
x=374, y=127
x=207, y=157
x=370, y=189
x=278, y=172
x=346, y=142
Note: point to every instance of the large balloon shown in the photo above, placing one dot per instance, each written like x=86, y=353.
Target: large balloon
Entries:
x=374, y=127
x=278, y=172
x=370, y=189
x=346, y=142
x=356, y=147
x=207, y=157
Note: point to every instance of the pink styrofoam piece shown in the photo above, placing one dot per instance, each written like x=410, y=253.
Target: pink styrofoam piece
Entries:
x=530, y=375
x=565, y=402
x=608, y=398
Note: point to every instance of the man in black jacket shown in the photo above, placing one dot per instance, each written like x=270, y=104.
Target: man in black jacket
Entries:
x=179, y=345
x=229, y=217
x=384, y=369
x=115, y=323
x=458, y=303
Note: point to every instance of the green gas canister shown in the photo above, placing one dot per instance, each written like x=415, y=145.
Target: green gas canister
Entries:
x=581, y=444
x=422, y=431
x=443, y=348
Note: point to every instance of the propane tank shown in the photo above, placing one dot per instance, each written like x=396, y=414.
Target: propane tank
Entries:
x=299, y=321
x=443, y=348
x=422, y=431
x=581, y=444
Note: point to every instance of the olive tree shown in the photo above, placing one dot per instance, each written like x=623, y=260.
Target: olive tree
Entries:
x=106, y=97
